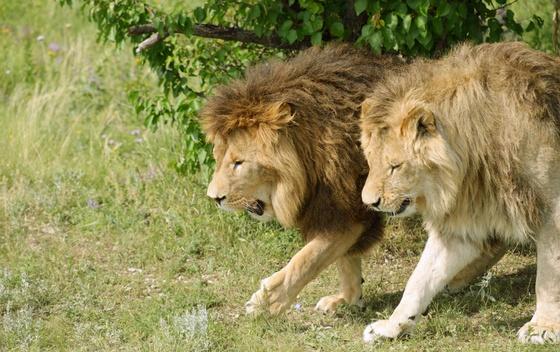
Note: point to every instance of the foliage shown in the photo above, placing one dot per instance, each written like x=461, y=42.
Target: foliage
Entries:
x=170, y=40
x=541, y=37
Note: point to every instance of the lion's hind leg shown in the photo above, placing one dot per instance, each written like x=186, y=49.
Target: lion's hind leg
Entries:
x=544, y=327
x=350, y=275
x=492, y=253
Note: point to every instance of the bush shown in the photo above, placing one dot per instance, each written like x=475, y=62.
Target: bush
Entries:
x=193, y=48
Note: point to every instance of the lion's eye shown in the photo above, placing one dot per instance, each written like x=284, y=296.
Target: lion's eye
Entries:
x=395, y=167
x=237, y=164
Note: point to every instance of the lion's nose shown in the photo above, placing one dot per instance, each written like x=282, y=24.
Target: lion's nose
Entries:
x=219, y=199
x=371, y=200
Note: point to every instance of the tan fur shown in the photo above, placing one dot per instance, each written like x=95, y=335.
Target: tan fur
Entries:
x=293, y=129
x=473, y=141
x=494, y=251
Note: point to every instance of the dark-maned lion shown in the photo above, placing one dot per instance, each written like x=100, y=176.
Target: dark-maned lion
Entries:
x=471, y=142
x=286, y=144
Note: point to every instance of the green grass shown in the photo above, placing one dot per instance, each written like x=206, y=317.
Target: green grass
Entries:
x=103, y=246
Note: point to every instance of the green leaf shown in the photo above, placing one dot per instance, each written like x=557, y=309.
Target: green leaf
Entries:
x=462, y=10
x=406, y=22
x=314, y=7
x=423, y=7
x=337, y=29
x=317, y=38
x=420, y=22
x=413, y=33
x=443, y=10
x=255, y=12
x=402, y=9
x=291, y=36
x=538, y=20
x=495, y=30
x=360, y=6
x=388, y=38
x=426, y=41
x=374, y=6
x=199, y=14
x=307, y=28
x=367, y=30
x=285, y=27
x=391, y=21
x=512, y=24
x=186, y=24
x=376, y=42
x=317, y=23
x=437, y=25
x=414, y=4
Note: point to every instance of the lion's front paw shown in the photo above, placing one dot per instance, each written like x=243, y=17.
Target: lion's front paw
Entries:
x=386, y=329
x=329, y=304
x=539, y=334
x=271, y=299
x=258, y=302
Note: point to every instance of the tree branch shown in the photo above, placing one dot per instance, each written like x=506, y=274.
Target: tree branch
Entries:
x=150, y=41
x=214, y=32
x=352, y=21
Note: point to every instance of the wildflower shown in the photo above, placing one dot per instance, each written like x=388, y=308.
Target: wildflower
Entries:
x=54, y=47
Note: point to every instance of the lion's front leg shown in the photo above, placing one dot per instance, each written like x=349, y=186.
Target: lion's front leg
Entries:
x=441, y=260
x=279, y=291
x=350, y=275
x=544, y=327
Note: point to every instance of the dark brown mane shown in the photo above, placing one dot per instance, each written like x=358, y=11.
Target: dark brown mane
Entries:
x=315, y=99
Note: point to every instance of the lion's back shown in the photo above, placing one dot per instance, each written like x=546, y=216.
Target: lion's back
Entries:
x=511, y=116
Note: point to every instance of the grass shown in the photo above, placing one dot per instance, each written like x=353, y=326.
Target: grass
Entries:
x=103, y=246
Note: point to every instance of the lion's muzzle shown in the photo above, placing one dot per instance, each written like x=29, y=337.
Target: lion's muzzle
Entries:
x=402, y=209
x=219, y=200
x=256, y=207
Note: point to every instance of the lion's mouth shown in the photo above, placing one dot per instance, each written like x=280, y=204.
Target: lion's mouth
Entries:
x=256, y=207
x=402, y=208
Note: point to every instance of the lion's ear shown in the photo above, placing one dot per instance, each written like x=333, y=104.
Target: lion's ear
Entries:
x=426, y=124
x=281, y=115
x=422, y=121
x=275, y=117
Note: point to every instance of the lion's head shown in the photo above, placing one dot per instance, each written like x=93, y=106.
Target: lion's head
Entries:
x=412, y=167
x=257, y=167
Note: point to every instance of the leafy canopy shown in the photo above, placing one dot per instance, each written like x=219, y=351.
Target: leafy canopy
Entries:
x=194, y=48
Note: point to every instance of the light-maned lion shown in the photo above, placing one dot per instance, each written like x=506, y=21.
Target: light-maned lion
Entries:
x=472, y=143
x=286, y=144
